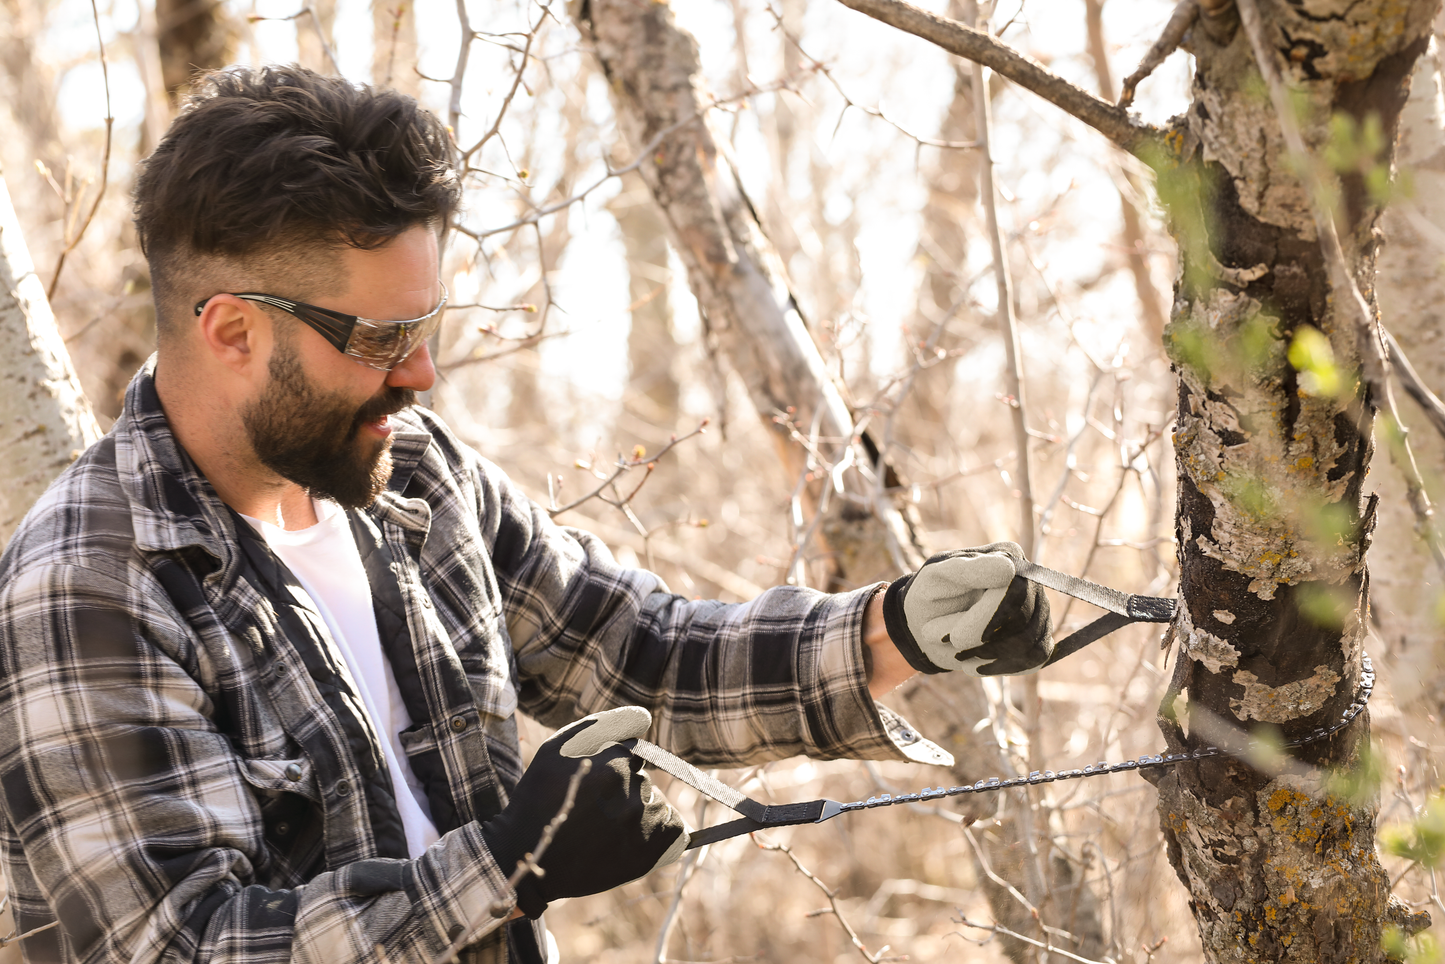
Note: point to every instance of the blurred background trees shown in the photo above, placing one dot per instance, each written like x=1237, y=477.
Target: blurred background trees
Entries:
x=859, y=414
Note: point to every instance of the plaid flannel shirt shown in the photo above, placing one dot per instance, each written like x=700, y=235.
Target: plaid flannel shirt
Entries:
x=185, y=770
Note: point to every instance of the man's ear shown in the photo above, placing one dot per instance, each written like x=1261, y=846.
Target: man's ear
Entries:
x=234, y=333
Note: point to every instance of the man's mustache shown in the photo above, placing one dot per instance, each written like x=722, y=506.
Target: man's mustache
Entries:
x=388, y=402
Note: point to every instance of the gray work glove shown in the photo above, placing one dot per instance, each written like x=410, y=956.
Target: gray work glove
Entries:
x=969, y=610
x=621, y=826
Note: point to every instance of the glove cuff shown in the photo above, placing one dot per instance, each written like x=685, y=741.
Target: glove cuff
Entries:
x=507, y=854
x=897, y=625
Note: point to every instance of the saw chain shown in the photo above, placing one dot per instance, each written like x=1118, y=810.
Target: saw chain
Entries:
x=1122, y=609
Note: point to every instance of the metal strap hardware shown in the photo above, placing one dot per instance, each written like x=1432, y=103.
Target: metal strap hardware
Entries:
x=1122, y=609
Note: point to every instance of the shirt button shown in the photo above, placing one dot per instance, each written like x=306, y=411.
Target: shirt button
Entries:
x=282, y=829
x=425, y=600
x=459, y=723
x=343, y=788
x=455, y=933
x=293, y=772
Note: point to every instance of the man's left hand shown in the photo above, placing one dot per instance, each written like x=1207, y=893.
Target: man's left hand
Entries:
x=969, y=610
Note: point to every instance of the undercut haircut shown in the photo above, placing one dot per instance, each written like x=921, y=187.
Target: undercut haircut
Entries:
x=269, y=172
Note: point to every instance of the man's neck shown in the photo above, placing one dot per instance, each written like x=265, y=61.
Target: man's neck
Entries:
x=208, y=429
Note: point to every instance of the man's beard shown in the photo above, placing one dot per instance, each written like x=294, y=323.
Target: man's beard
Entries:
x=313, y=438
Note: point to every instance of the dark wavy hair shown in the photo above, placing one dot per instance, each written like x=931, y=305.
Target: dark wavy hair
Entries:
x=268, y=172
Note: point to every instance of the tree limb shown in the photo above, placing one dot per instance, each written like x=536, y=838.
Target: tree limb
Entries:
x=1179, y=23
x=1111, y=121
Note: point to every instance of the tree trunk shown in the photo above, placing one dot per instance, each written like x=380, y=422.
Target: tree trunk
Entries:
x=193, y=36
x=393, y=52
x=1272, y=525
x=314, y=32
x=652, y=388
x=1412, y=303
x=45, y=419
x=742, y=292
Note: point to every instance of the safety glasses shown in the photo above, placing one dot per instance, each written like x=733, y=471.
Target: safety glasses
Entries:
x=378, y=344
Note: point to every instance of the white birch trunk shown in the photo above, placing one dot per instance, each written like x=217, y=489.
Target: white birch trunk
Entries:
x=45, y=419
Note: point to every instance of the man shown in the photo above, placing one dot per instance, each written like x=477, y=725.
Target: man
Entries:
x=262, y=647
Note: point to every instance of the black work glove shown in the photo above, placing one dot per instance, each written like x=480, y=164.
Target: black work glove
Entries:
x=969, y=610
x=621, y=826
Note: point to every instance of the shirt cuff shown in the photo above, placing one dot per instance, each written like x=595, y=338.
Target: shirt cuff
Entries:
x=872, y=730
x=457, y=886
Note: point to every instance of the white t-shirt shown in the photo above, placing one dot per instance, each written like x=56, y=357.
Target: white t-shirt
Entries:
x=325, y=561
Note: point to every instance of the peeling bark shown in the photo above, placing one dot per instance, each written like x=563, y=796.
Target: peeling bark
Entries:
x=742, y=290
x=1272, y=521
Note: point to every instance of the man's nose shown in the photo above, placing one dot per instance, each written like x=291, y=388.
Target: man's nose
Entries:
x=416, y=371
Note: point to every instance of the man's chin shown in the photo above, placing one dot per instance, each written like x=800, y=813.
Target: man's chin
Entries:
x=359, y=487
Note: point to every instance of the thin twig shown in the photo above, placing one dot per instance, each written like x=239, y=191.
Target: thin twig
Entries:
x=500, y=911
x=1414, y=385
x=869, y=956
x=1003, y=283
x=14, y=938
x=1349, y=300
x=316, y=25
x=1179, y=23
x=976, y=45
x=664, y=933
x=512, y=91
x=1045, y=946
x=623, y=466
x=104, y=163
x=848, y=102
x=610, y=172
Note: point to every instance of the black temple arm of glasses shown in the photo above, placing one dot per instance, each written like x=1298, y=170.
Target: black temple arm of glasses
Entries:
x=334, y=326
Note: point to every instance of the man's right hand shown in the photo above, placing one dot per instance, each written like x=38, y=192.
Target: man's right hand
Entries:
x=620, y=827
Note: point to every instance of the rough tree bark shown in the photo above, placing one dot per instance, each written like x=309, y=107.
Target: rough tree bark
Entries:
x=45, y=420
x=1272, y=522
x=661, y=105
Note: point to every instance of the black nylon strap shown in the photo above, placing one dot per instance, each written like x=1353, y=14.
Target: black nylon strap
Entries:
x=1123, y=608
x=1078, y=639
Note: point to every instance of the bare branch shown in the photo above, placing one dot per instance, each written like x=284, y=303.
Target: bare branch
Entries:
x=869, y=956
x=512, y=91
x=848, y=102
x=1046, y=946
x=14, y=938
x=621, y=468
x=1179, y=23
x=1003, y=283
x=976, y=45
x=316, y=24
x=500, y=911
x=611, y=172
x=104, y=164
x=1414, y=386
